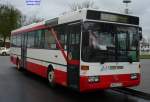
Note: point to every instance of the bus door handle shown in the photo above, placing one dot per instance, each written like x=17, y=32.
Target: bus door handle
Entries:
x=56, y=56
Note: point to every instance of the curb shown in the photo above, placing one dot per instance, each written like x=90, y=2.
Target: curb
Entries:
x=133, y=92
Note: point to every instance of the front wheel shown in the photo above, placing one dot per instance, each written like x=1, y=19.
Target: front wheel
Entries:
x=51, y=77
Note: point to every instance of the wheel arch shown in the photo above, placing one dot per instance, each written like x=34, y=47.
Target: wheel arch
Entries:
x=50, y=67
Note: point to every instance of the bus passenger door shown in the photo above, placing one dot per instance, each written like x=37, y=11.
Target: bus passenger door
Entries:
x=73, y=56
x=23, y=50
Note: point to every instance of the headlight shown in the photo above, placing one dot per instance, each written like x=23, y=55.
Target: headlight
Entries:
x=93, y=79
x=134, y=76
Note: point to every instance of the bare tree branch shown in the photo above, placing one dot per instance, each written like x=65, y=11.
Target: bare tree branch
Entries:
x=85, y=4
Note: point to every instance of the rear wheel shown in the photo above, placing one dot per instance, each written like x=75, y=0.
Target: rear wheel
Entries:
x=51, y=77
x=18, y=65
x=4, y=54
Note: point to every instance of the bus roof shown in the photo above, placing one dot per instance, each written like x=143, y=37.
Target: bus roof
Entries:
x=64, y=18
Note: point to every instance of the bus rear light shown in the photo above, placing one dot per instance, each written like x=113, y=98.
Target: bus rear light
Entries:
x=134, y=76
x=84, y=67
x=93, y=79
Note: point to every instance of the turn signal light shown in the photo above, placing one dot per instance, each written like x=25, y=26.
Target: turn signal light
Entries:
x=84, y=67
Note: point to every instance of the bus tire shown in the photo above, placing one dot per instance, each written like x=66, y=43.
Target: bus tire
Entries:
x=51, y=77
x=18, y=65
x=4, y=54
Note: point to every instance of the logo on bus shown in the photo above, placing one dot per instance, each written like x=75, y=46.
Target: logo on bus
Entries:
x=106, y=67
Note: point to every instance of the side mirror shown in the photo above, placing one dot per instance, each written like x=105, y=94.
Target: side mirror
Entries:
x=140, y=33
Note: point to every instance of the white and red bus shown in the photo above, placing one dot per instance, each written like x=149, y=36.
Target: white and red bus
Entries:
x=85, y=50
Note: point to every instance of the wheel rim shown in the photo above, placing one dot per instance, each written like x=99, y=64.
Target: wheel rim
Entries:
x=4, y=54
x=51, y=76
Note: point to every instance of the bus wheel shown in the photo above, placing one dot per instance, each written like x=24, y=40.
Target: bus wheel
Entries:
x=4, y=54
x=18, y=65
x=51, y=77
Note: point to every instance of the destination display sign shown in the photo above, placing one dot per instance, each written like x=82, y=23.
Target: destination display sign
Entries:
x=112, y=17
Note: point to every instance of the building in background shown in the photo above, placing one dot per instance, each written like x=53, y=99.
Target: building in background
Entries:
x=145, y=47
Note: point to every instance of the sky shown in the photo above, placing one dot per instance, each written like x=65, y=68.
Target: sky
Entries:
x=52, y=8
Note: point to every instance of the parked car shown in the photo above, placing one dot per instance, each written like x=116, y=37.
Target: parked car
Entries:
x=4, y=51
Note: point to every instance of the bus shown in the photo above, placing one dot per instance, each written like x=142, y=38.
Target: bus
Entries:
x=85, y=50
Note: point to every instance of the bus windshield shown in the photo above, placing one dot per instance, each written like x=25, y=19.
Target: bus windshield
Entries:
x=103, y=42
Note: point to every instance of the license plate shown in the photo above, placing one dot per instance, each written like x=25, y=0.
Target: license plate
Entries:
x=115, y=84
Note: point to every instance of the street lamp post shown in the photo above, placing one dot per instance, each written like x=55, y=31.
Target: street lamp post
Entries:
x=126, y=2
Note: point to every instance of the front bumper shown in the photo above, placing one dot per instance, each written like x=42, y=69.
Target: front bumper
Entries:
x=106, y=82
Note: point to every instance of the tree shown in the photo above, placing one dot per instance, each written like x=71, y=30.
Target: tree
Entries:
x=9, y=20
x=85, y=4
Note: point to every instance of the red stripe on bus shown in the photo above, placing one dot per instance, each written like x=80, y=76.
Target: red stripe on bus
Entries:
x=37, y=69
x=60, y=76
x=74, y=62
x=31, y=29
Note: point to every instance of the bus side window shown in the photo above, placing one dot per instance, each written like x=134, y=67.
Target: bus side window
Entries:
x=39, y=41
x=18, y=43
x=62, y=35
x=14, y=41
x=50, y=42
x=75, y=31
x=42, y=40
x=30, y=40
x=63, y=39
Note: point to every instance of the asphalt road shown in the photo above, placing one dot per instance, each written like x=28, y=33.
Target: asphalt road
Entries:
x=18, y=86
x=145, y=76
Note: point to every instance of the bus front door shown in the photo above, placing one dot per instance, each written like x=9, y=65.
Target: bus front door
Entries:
x=73, y=56
x=23, y=50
